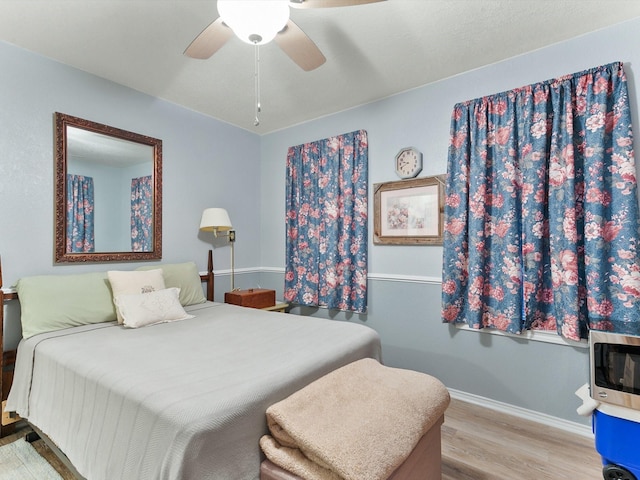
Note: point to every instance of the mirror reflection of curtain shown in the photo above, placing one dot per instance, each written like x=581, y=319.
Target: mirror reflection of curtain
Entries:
x=141, y=214
x=80, y=222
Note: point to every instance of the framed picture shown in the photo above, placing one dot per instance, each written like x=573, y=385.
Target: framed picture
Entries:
x=409, y=212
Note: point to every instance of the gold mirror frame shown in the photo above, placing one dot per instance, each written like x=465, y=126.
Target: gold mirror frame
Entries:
x=61, y=255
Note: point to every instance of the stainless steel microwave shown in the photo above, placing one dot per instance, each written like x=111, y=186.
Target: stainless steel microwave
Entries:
x=615, y=368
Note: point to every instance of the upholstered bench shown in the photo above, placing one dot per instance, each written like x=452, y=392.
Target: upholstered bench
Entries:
x=364, y=421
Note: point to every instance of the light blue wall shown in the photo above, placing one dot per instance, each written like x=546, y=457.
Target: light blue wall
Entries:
x=206, y=163
x=404, y=291
x=209, y=163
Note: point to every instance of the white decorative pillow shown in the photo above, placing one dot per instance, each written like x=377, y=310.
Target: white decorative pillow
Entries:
x=141, y=309
x=134, y=282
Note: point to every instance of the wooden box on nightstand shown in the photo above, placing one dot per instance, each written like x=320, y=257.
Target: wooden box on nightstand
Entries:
x=253, y=297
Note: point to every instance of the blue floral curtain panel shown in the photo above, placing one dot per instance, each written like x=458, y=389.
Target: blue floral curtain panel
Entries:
x=326, y=223
x=541, y=215
x=80, y=222
x=141, y=214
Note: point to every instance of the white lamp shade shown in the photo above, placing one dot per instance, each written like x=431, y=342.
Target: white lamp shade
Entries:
x=254, y=21
x=215, y=220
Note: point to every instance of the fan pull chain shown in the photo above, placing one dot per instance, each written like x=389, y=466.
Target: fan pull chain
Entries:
x=256, y=122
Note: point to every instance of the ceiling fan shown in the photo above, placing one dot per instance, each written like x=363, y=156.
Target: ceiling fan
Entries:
x=258, y=22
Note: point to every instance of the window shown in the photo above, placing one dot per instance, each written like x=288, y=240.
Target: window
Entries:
x=326, y=223
x=541, y=210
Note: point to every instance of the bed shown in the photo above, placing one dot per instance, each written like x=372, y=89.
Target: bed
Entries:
x=184, y=399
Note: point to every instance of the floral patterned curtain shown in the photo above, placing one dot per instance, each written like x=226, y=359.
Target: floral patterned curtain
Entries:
x=141, y=214
x=326, y=223
x=541, y=216
x=80, y=224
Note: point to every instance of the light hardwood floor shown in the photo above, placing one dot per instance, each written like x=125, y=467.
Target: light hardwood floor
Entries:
x=482, y=444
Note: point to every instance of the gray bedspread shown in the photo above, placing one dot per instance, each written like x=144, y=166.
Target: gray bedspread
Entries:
x=183, y=400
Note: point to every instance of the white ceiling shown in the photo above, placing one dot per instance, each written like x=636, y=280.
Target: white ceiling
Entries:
x=373, y=51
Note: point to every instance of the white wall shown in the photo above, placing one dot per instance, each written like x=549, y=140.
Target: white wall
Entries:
x=404, y=291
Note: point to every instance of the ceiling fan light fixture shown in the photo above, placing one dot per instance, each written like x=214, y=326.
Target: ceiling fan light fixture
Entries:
x=254, y=21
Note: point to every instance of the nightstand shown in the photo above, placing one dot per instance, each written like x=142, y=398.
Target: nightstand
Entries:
x=278, y=307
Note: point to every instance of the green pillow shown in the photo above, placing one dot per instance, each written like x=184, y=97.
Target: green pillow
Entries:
x=54, y=302
x=184, y=276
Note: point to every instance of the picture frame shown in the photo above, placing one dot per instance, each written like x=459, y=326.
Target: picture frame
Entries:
x=409, y=212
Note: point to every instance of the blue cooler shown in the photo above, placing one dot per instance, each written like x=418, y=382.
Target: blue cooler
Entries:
x=617, y=438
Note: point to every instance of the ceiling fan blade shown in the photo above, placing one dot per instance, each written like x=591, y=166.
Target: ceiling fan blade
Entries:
x=210, y=40
x=299, y=47
x=328, y=3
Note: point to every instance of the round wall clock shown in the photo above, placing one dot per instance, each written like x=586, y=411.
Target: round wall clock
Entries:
x=408, y=162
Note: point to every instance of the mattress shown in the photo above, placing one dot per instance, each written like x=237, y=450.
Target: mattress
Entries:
x=181, y=400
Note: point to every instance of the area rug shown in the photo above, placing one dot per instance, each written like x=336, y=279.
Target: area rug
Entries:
x=20, y=461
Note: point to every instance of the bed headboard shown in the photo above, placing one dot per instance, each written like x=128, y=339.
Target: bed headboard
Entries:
x=7, y=361
x=207, y=277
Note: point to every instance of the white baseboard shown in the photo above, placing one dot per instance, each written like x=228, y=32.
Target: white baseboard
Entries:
x=566, y=425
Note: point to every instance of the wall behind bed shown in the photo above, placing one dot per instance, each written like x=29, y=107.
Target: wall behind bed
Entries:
x=197, y=154
x=404, y=286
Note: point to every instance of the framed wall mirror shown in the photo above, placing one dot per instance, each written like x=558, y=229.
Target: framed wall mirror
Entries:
x=108, y=193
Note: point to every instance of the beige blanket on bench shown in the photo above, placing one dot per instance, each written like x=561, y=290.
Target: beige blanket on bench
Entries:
x=359, y=422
